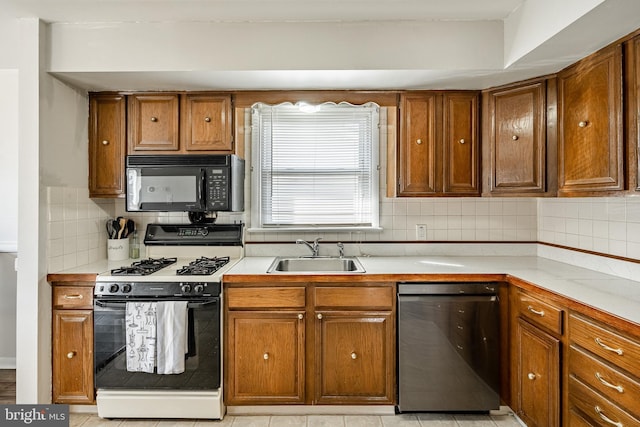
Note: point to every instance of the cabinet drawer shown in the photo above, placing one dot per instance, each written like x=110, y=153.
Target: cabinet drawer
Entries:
x=265, y=298
x=597, y=407
x=540, y=313
x=616, y=386
x=72, y=297
x=577, y=420
x=609, y=345
x=371, y=297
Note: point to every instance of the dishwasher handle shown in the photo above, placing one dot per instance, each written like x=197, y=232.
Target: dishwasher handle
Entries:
x=439, y=288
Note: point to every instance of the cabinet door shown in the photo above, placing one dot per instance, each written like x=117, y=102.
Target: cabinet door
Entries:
x=537, y=383
x=72, y=356
x=107, y=138
x=354, y=358
x=517, y=138
x=590, y=146
x=418, y=145
x=153, y=123
x=265, y=358
x=206, y=123
x=461, y=148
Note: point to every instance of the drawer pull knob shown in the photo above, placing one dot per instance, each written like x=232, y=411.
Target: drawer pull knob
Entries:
x=462, y=141
x=534, y=311
x=531, y=376
x=619, y=388
x=618, y=351
x=265, y=356
x=583, y=124
x=607, y=419
x=515, y=137
x=73, y=297
x=419, y=141
x=207, y=119
x=354, y=355
x=105, y=142
x=71, y=354
x=300, y=316
x=154, y=119
x=320, y=316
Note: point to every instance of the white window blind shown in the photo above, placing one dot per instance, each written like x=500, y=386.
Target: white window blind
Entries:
x=315, y=166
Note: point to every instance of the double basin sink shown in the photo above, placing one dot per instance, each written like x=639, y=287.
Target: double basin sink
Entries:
x=317, y=264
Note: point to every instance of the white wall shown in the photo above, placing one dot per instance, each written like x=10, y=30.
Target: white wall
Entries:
x=9, y=160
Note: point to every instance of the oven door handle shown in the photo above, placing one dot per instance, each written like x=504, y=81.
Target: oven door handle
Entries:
x=121, y=304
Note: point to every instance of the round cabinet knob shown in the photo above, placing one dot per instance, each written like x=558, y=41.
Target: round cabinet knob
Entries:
x=462, y=141
x=583, y=124
x=419, y=142
x=207, y=119
x=71, y=354
x=154, y=119
x=319, y=315
x=354, y=355
x=265, y=356
x=300, y=316
x=515, y=137
x=105, y=142
x=531, y=376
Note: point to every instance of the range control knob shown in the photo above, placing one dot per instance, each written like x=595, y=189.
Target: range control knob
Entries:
x=126, y=288
x=113, y=288
x=198, y=289
x=186, y=288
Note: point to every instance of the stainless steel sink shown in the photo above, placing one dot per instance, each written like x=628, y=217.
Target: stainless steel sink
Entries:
x=316, y=265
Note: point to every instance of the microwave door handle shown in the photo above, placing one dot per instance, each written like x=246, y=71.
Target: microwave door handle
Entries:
x=201, y=189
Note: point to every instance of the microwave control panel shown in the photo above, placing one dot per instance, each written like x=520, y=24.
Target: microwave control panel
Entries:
x=217, y=189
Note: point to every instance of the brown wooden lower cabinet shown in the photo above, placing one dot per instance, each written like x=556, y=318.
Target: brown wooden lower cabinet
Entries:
x=267, y=360
x=537, y=376
x=352, y=362
x=309, y=344
x=72, y=343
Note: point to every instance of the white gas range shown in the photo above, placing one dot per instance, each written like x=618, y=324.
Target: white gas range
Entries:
x=183, y=267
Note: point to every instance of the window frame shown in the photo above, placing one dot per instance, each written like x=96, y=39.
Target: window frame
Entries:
x=256, y=218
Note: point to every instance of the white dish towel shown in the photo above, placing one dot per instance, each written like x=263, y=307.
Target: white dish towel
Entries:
x=140, y=319
x=171, y=341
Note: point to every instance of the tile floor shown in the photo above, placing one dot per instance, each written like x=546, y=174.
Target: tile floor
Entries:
x=404, y=420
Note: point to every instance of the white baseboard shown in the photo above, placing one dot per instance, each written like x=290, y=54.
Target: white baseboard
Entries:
x=7, y=363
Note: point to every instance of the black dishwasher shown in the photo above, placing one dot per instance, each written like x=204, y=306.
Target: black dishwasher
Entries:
x=448, y=347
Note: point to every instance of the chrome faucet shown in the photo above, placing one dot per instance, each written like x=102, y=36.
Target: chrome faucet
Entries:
x=341, y=249
x=314, y=247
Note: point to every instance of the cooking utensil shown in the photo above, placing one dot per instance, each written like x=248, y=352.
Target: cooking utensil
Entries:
x=110, y=230
x=123, y=225
x=130, y=228
x=115, y=224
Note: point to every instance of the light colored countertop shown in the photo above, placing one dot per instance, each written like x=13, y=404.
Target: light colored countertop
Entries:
x=617, y=296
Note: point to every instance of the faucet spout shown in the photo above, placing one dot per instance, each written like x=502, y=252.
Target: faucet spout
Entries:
x=313, y=247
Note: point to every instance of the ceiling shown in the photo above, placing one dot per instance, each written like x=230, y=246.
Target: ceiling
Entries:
x=258, y=10
x=612, y=19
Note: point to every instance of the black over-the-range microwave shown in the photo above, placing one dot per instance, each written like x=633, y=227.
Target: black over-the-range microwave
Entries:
x=184, y=183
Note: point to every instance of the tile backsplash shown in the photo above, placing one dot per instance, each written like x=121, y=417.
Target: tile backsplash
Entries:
x=609, y=225
x=77, y=235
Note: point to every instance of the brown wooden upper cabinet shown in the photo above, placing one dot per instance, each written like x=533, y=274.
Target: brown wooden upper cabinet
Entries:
x=107, y=145
x=632, y=93
x=520, y=138
x=439, y=145
x=590, y=142
x=170, y=123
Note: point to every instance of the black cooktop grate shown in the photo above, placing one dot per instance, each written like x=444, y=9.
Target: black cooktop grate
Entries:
x=144, y=267
x=203, y=266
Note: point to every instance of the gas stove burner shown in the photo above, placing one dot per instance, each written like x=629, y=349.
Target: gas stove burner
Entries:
x=144, y=267
x=203, y=266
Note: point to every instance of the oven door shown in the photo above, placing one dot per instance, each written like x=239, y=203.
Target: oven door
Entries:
x=167, y=189
x=202, y=360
